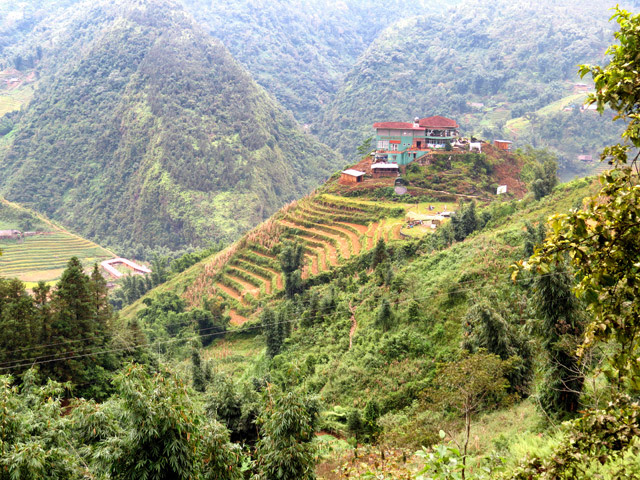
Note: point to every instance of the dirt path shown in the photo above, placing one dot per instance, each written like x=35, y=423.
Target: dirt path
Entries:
x=236, y=318
x=342, y=242
x=265, y=281
x=231, y=292
x=354, y=325
x=361, y=228
x=355, y=239
x=248, y=287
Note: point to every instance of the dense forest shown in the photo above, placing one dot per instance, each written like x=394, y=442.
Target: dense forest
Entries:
x=143, y=130
x=301, y=50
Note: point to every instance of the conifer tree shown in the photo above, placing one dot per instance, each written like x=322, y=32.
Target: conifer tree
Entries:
x=561, y=329
x=384, y=318
x=379, y=253
x=197, y=372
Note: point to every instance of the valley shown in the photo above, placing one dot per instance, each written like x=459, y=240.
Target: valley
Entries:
x=314, y=240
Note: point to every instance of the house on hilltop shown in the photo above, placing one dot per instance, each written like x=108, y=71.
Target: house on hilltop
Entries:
x=403, y=142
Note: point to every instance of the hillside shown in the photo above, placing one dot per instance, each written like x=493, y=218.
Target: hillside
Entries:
x=43, y=253
x=332, y=341
x=143, y=132
x=301, y=50
x=482, y=63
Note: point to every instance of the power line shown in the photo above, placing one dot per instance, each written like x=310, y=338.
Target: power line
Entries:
x=42, y=359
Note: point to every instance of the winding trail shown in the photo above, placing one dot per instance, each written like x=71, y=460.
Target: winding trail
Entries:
x=354, y=325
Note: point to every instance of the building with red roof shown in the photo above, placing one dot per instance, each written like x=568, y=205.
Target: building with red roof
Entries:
x=403, y=142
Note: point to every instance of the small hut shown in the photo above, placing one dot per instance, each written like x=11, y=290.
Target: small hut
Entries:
x=351, y=176
x=503, y=144
x=384, y=170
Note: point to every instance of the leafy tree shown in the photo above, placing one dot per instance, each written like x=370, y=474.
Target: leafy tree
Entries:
x=485, y=329
x=466, y=385
x=164, y=435
x=601, y=238
x=545, y=178
x=365, y=147
x=370, y=420
x=287, y=425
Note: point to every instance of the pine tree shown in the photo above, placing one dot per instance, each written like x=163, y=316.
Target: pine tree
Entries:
x=379, y=253
x=271, y=332
x=384, y=318
x=197, y=372
x=561, y=329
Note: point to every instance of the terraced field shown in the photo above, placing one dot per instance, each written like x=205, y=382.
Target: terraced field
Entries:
x=331, y=230
x=43, y=257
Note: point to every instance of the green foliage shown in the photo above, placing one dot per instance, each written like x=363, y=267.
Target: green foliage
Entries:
x=182, y=171
x=601, y=444
x=601, y=238
x=287, y=427
x=291, y=263
x=60, y=329
x=384, y=317
x=562, y=330
x=484, y=328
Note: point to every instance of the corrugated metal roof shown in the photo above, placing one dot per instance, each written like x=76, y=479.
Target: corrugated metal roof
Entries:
x=393, y=166
x=353, y=173
x=397, y=125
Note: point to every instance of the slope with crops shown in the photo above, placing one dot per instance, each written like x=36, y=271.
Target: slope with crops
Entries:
x=40, y=249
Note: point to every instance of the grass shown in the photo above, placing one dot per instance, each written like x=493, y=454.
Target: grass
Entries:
x=520, y=124
x=14, y=99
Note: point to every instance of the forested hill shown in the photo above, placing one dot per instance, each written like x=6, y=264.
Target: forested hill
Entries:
x=145, y=131
x=301, y=50
x=483, y=63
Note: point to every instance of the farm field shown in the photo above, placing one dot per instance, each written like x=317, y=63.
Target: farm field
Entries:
x=43, y=257
x=331, y=230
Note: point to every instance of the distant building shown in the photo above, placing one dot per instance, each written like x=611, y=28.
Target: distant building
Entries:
x=9, y=234
x=503, y=144
x=580, y=87
x=403, y=142
x=585, y=158
x=351, y=176
x=384, y=170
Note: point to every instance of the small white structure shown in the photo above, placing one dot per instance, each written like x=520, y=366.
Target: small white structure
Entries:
x=137, y=269
x=501, y=189
x=477, y=146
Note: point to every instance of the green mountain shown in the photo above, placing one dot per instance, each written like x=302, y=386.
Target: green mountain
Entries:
x=482, y=63
x=144, y=131
x=301, y=50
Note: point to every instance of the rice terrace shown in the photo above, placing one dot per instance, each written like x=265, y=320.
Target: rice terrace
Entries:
x=34, y=249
